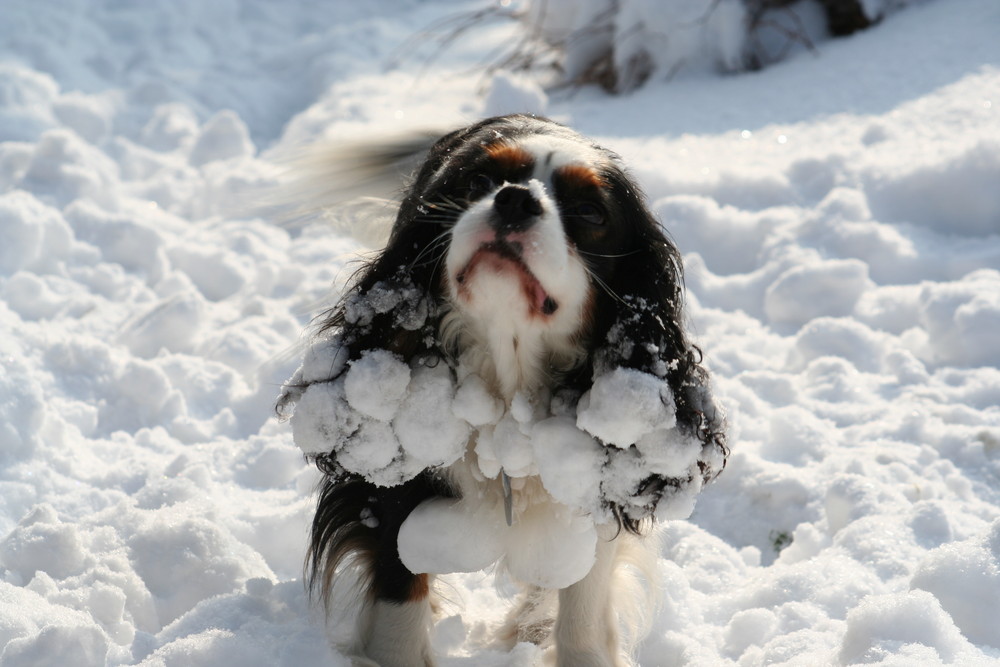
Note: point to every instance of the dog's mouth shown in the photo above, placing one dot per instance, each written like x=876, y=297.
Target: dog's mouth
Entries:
x=503, y=255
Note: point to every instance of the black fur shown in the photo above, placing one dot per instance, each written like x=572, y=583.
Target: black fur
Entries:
x=357, y=520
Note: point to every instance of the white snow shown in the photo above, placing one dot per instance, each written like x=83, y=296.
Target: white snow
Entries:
x=840, y=224
x=376, y=384
x=624, y=405
x=549, y=545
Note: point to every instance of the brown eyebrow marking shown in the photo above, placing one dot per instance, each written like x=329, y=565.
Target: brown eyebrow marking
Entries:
x=509, y=156
x=580, y=176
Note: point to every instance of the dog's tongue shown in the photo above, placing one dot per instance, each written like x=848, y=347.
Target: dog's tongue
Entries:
x=544, y=302
x=540, y=299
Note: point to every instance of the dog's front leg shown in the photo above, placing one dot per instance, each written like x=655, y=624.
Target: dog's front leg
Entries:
x=586, y=632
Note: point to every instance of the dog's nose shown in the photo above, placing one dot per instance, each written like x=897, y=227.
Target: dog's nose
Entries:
x=516, y=208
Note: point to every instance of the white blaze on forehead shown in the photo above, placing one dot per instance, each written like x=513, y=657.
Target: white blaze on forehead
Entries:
x=549, y=153
x=548, y=234
x=552, y=153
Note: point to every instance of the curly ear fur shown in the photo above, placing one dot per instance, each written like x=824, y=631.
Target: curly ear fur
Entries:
x=644, y=331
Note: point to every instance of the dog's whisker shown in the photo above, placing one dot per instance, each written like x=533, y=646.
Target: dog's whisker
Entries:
x=604, y=286
x=444, y=204
x=608, y=255
x=436, y=244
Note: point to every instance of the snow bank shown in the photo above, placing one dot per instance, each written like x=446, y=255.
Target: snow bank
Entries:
x=622, y=44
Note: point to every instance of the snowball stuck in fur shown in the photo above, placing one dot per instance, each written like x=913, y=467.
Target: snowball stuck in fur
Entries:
x=444, y=535
x=376, y=384
x=380, y=419
x=569, y=462
x=475, y=404
x=425, y=424
x=624, y=405
x=388, y=421
x=550, y=545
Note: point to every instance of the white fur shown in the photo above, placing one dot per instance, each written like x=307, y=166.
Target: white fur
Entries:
x=552, y=152
x=396, y=635
x=508, y=345
x=600, y=619
x=586, y=631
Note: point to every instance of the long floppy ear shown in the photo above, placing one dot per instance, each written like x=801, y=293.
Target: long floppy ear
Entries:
x=646, y=332
x=392, y=301
x=647, y=289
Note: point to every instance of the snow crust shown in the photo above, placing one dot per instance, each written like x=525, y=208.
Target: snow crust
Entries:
x=840, y=225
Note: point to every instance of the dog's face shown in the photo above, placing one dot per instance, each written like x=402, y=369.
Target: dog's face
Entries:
x=535, y=208
x=538, y=233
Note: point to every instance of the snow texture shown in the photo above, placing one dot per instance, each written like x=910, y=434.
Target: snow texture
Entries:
x=840, y=224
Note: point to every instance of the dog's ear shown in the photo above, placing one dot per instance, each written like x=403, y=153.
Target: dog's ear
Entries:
x=644, y=311
x=646, y=328
x=392, y=301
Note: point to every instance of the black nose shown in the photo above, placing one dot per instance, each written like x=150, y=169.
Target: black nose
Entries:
x=516, y=208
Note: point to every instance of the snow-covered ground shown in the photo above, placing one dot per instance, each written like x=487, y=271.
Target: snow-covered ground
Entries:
x=839, y=213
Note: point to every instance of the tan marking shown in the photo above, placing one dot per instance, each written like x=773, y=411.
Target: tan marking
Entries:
x=581, y=176
x=509, y=156
x=420, y=587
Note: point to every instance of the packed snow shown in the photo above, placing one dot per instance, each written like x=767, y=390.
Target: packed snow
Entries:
x=840, y=223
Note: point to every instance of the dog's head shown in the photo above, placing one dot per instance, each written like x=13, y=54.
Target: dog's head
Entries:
x=525, y=245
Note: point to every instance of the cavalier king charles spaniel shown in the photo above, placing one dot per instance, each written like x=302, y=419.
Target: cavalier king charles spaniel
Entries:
x=524, y=254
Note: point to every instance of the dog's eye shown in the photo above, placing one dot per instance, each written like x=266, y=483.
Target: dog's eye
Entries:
x=592, y=214
x=481, y=183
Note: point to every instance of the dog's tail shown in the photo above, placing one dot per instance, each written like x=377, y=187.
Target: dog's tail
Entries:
x=353, y=185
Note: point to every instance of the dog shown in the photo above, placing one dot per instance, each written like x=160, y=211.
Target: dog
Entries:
x=522, y=254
